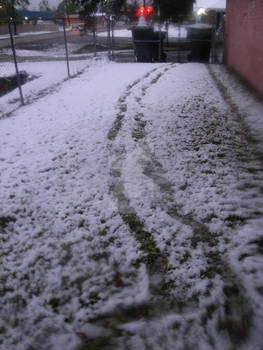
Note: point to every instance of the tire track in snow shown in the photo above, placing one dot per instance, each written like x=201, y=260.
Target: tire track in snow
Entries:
x=127, y=212
x=156, y=311
x=122, y=106
x=237, y=315
x=232, y=313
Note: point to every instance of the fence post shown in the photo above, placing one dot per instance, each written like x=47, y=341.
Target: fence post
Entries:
x=159, y=42
x=213, y=44
x=179, y=42
x=112, y=37
x=66, y=46
x=15, y=61
x=109, y=36
x=94, y=39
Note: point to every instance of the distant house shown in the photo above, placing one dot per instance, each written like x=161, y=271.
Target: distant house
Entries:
x=244, y=39
x=72, y=20
x=210, y=11
x=38, y=15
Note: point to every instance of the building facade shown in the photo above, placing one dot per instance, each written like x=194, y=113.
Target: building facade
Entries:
x=244, y=40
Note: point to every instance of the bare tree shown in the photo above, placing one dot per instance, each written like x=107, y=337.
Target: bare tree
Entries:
x=8, y=8
x=44, y=5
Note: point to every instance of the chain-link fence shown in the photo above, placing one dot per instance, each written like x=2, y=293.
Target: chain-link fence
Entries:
x=43, y=53
x=195, y=41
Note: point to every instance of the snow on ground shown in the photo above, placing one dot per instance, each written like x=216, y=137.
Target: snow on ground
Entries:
x=173, y=32
x=120, y=33
x=131, y=213
x=7, y=36
x=43, y=78
x=58, y=51
x=246, y=103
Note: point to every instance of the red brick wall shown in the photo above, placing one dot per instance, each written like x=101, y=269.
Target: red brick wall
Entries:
x=209, y=18
x=244, y=39
x=26, y=28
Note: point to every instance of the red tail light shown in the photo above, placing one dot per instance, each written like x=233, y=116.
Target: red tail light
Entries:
x=141, y=11
x=145, y=12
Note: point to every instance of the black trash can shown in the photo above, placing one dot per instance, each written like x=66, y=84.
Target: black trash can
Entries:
x=148, y=44
x=200, y=36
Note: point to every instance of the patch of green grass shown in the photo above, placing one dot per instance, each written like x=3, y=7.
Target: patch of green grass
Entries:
x=54, y=303
x=144, y=88
x=207, y=171
x=65, y=282
x=104, y=244
x=245, y=83
x=176, y=325
x=164, y=288
x=215, y=265
x=231, y=290
x=99, y=256
x=104, y=232
x=81, y=223
x=154, y=80
x=78, y=282
x=259, y=243
x=185, y=257
x=173, y=210
x=209, y=288
x=67, y=256
x=5, y=220
x=184, y=187
x=166, y=187
x=243, y=256
x=112, y=239
x=237, y=329
x=202, y=235
x=123, y=108
x=260, y=290
x=94, y=297
x=233, y=220
x=153, y=258
x=18, y=302
x=238, y=315
x=98, y=343
x=133, y=313
x=130, y=86
x=138, y=133
x=2, y=329
x=210, y=217
x=211, y=271
x=122, y=99
x=221, y=155
x=210, y=309
x=113, y=132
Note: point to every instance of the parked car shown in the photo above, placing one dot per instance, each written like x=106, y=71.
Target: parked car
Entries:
x=77, y=27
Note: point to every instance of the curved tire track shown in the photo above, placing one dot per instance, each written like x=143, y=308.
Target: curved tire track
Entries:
x=175, y=317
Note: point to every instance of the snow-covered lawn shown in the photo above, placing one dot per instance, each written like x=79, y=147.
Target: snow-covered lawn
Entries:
x=131, y=212
x=173, y=32
x=43, y=78
x=7, y=36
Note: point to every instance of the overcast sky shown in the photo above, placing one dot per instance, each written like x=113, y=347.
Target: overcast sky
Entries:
x=211, y=3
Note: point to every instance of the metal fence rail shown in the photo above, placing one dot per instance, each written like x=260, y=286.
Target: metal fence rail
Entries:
x=22, y=42
x=69, y=45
